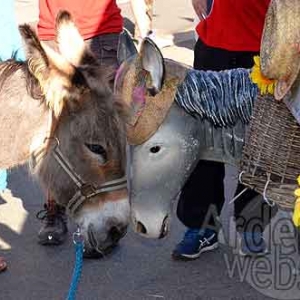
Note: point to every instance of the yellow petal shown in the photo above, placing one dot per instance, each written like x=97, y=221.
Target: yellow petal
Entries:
x=264, y=84
x=296, y=217
x=296, y=214
x=297, y=192
x=256, y=60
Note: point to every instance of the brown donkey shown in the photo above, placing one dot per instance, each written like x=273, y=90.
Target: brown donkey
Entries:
x=57, y=110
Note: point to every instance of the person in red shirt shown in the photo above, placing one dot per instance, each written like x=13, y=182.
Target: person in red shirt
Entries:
x=100, y=23
x=228, y=38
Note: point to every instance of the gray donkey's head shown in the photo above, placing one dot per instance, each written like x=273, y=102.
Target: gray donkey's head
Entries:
x=171, y=128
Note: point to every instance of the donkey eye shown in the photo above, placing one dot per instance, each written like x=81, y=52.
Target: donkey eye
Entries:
x=99, y=150
x=155, y=149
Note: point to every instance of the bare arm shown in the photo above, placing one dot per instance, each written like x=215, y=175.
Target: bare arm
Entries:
x=143, y=21
x=200, y=7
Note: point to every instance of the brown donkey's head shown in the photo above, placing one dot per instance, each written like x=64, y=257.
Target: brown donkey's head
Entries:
x=82, y=158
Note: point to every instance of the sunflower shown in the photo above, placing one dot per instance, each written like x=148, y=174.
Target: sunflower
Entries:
x=264, y=84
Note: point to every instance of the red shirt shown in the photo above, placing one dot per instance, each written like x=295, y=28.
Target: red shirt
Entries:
x=234, y=25
x=92, y=17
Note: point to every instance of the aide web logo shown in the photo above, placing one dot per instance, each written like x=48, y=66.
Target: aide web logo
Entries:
x=276, y=274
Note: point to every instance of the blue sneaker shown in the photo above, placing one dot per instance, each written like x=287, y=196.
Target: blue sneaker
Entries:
x=253, y=244
x=194, y=243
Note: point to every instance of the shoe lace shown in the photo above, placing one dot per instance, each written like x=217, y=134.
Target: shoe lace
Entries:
x=206, y=240
x=46, y=217
x=49, y=216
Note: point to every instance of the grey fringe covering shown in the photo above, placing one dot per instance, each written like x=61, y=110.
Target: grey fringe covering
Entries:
x=220, y=97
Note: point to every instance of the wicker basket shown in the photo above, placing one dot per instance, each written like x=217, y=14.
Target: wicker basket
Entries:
x=271, y=157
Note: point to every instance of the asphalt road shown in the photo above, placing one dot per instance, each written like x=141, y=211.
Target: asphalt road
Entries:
x=139, y=269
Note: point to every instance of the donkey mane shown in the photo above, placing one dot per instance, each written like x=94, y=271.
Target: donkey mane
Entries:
x=222, y=97
x=9, y=67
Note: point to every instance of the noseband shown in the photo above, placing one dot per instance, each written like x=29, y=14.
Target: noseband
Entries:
x=85, y=191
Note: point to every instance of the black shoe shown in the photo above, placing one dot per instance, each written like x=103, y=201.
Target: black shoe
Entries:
x=54, y=228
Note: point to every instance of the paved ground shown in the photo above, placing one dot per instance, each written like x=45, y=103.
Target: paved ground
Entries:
x=140, y=269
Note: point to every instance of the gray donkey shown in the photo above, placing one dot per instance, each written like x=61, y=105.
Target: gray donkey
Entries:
x=178, y=116
x=58, y=111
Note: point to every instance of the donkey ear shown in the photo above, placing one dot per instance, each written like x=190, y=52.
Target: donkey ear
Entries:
x=152, y=61
x=33, y=45
x=70, y=43
x=42, y=56
x=52, y=70
x=126, y=47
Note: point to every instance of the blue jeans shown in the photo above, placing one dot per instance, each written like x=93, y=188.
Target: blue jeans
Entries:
x=3, y=180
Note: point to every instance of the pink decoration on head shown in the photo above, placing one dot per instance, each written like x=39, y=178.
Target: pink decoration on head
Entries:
x=138, y=94
x=137, y=104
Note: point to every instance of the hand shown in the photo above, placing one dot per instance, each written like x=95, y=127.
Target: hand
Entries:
x=200, y=7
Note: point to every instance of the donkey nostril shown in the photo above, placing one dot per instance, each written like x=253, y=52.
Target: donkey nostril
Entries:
x=140, y=228
x=164, y=227
x=115, y=234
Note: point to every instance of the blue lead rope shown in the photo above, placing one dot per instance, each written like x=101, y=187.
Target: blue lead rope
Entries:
x=79, y=247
